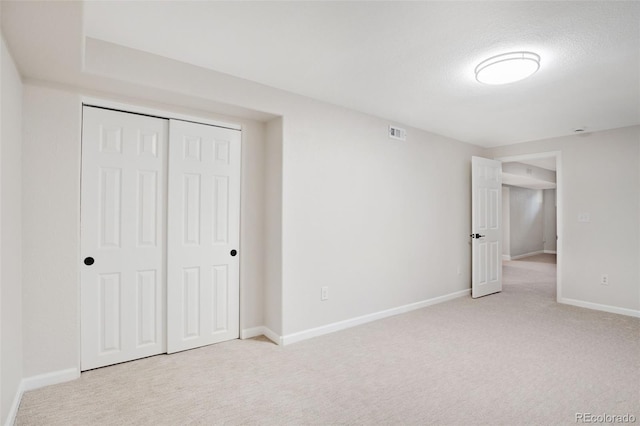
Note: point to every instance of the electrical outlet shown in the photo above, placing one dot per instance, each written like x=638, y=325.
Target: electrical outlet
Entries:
x=324, y=293
x=604, y=279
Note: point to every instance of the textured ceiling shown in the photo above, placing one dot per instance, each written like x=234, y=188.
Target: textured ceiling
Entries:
x=409, y=62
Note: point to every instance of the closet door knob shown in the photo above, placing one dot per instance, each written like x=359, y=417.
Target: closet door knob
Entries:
x=88, y=261
x=234, y=252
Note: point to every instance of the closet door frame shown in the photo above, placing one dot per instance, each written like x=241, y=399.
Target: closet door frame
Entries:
x=97, y=102
x=168, y=115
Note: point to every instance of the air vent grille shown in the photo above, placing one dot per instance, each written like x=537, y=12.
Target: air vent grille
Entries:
x=397, y=133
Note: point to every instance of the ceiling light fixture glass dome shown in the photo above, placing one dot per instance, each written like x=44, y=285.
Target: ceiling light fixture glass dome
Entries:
x=507, y=68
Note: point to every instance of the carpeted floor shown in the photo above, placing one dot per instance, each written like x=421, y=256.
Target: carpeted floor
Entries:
x=512, y=358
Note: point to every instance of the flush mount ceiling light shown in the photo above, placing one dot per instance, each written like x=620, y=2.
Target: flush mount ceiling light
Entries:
x=507, y=68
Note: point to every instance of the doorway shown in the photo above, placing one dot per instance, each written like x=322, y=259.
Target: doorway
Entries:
x=536, y=167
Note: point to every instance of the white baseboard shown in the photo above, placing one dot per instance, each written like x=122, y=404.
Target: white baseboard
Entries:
x=520, y=256
x=53, y=378
x=533, y=253
x=598, y=307
x=36, y=382
x=13, y=411
x=274, y=337
x=341, y=325
x=248, y=333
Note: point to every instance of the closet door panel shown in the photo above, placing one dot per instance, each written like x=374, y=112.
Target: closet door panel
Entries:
x=123, y=210
x=203, y=235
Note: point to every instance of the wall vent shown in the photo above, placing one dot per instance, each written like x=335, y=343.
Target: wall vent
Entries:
x=397, y=133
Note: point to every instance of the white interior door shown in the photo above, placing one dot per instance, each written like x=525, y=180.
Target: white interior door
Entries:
x=486, y=237
x=203, y=236
x=122, y=237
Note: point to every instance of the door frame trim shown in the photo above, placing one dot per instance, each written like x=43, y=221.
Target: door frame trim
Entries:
x=559, y=208
x=154, y=112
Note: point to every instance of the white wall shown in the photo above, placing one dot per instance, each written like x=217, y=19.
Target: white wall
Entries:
x=10, y=232
x=506, y=223
x=550, y=218
x=273, y=229
x=252, y=236
x=599, y=175
x=526, y=221
x=382, y=223
x=529, y=171
x=533, y=226
x=51, y=215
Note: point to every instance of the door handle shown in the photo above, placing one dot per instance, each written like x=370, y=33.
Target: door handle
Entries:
x=477, y=236
x=88, y=261
x=233, y=252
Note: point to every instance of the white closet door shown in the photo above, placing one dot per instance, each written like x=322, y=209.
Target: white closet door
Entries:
x=203, y=235
x=122, y=237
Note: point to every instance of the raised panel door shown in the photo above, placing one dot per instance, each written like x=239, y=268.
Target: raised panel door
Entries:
x=486, y=208
x=123, y=221
x=204, y=213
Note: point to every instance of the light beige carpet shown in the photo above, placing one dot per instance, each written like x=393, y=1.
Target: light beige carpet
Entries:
x=513, y=358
